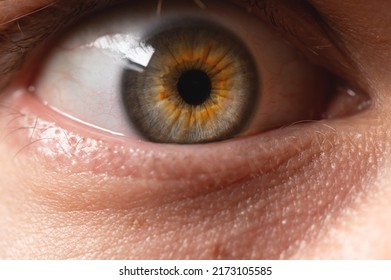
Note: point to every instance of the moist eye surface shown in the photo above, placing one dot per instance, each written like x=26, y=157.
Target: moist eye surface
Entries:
x=200, y=85
x=187, y=76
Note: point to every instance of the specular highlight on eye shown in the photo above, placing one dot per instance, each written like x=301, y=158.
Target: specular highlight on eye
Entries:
x=199, y=86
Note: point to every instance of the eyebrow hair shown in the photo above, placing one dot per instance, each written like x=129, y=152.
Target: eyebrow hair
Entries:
x=22, y=33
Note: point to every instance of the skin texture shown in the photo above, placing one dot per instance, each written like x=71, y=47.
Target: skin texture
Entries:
x=309, y=191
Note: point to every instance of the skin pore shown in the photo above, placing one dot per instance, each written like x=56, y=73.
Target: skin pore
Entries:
x=312, y=190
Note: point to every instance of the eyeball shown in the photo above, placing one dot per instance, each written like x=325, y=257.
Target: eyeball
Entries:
x=185, y=76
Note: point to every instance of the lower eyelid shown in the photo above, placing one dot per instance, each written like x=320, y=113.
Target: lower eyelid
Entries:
x=66, y=147
x=287, y=180
x=43, y=124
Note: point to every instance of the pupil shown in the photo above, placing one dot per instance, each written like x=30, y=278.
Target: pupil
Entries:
x=194, y=86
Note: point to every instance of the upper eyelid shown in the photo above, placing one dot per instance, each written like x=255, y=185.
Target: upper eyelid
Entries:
x=305, y=26
x=19, y=36
x=22, y=33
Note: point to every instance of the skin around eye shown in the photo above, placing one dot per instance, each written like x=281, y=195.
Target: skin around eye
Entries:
x=69, y=191
x=114, y=55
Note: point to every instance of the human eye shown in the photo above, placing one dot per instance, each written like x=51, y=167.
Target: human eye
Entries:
x=103, y=109
x=187, y=76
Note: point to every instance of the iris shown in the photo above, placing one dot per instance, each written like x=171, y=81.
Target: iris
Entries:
x=200, y=85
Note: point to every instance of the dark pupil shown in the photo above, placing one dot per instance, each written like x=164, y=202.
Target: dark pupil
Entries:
x=194, y=86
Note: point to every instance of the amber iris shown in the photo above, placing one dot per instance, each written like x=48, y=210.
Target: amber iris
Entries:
x=199, y=86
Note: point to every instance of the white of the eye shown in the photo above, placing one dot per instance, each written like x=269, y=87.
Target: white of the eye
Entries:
x=99, y=65
x=125, y=47
x=86, y=83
